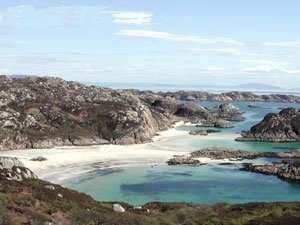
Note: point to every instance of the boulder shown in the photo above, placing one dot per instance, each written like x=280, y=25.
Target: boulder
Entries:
x=118, y=208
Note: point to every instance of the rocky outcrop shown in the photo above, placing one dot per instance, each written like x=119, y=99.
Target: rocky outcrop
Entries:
x=230, y=154
x=287, y=171
x=183, y=160
x=203, y=132
x=218, y=116
x=219, y=123
x=199, y=132
x=13, y=169
x=229, y=97
x=43, y=112
x=281, y=127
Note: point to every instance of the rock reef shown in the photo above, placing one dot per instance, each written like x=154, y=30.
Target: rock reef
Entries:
x=227, y=153
x=289, y=171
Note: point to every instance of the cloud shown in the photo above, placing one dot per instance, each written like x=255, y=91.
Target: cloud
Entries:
x=229, y=51
x=268, y=62
x=132, y=17
x=283, y=44
x=178, y=38
x=273, y=70
x=1, y=20
x=212, y=69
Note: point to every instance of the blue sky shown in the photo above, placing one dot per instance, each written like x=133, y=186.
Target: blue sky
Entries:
x=180, y=41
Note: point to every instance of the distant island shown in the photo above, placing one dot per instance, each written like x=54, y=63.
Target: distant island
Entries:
x=256, y=86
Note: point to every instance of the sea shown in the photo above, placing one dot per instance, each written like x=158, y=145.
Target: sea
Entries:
x=200, y=184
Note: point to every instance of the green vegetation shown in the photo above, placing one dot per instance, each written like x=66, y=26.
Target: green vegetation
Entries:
x=31, y=202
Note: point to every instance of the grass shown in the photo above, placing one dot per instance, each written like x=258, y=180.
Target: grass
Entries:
x=28, y=201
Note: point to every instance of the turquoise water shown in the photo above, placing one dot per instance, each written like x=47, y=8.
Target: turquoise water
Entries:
x=197, y=184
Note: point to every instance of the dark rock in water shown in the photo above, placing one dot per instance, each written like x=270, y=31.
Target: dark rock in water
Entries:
x=182, y=160
x=281, y=127
x=218, y=124
x=287, y=171
x=203, y=132
x=226, y=164
x=212, y=131
x=253, y=106
x=199, y=132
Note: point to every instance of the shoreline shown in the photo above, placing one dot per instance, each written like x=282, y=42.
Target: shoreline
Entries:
x=66, y=162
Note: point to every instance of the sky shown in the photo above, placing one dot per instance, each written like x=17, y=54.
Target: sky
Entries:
x=214, y=42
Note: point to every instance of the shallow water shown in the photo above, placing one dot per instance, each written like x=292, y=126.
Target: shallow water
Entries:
x=196, y=184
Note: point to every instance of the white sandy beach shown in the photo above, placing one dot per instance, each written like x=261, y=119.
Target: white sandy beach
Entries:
x=66, y=162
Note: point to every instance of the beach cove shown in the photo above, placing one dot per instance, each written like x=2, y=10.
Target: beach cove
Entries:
x=138, y=173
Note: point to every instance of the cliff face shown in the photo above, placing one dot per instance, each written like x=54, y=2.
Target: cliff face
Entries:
x=281, y=127
x=43, y=112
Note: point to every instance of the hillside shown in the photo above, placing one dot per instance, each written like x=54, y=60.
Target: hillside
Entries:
x=28, y=200
x=43, y=112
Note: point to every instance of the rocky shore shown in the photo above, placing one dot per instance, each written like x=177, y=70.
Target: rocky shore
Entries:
x=226, y=153
x=281, y=127
x=289, y=171
x=44, y=112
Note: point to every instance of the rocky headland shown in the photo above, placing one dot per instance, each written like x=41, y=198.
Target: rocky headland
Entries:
x=43, y=112
x=281, y=127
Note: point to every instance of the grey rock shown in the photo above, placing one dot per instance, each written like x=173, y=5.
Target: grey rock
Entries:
x=281, y=127
x=199, y=132
x=118, y=208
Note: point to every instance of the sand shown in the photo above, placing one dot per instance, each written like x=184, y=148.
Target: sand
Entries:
x=63, y=163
